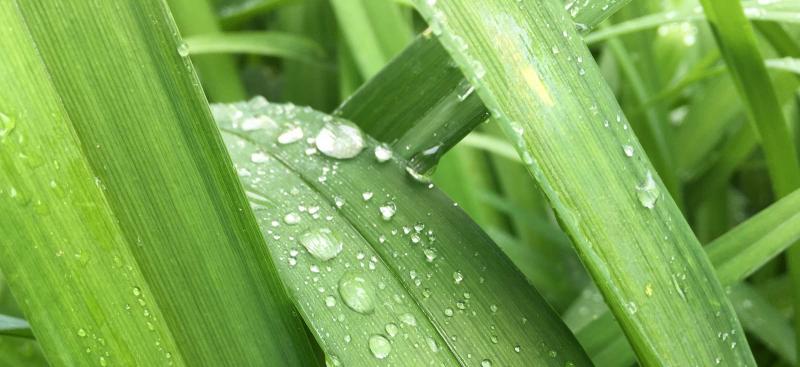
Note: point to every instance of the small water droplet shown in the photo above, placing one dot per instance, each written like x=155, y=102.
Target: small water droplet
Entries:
x=330, y=301
x=366, y=195
x=357, y=293
x=391, y=329
x=183, y=49
x=628, y=149
x=430, y=254
x=388, y=210
x=648, y=192
x=7, y=125
x=291, y=218
x=408, y=319
x=81, y=333
x=341, y=140
x=379, y=346
x=448, y=312
x=383, y=153
x=486, y=363
x=458, y=278
x=291, y=135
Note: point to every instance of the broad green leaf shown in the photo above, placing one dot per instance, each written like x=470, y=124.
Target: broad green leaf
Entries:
x=385, y=269
x=260, y=43
x=532, y=70
x=126, y=239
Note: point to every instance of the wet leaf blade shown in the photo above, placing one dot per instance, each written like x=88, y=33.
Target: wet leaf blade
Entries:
x=418, y=252
x=556, y=108
x=123, y=208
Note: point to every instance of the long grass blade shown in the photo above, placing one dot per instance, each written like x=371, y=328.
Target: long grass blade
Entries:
x=122, y=208
x=534, y=73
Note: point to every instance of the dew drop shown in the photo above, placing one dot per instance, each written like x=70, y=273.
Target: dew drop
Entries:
x=458, y=278
x=383, y=153
x=330, y=301
x=183, y=49
x=291, y=218
x=486, y=363
x=391, y=329
x=341, y=140
x=321, y=243
x=379, y=346
x=408, y=319
x=430, y=254
x=628, y=149
x=648, y=192
x=357, y=293
x=388, y=210
x=366, y=195
x=291, y=135
x=81, y=333
x=7, y=125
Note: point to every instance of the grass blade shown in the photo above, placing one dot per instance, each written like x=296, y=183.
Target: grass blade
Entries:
x=551, y=100
x=441, y=292
x=12, y=326
x=259, y=43
x=122, y=208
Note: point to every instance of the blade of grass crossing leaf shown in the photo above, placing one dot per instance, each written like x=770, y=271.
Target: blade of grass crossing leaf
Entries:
x=277, y=44
x=426, y=92
x=551, y=100
x=217, y=72
x=430, y=278
x=126, y=212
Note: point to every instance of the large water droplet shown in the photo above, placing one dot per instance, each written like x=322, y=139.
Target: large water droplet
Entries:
x=648, y=192
x=341, y=140
x=321, y=243
x=357, y=293
x=379, y=346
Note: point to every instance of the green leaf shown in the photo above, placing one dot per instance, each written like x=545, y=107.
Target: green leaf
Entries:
x=789, y=64
x=436, y=290
x=126, y=231
x=534, y=73
x=259, y=43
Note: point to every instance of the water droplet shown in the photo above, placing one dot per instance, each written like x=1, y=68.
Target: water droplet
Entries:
x=137, y=292
x=383, y=153
x=321, y=243
x=183, y=49
x=648, y=290
x=330, y=301
x=342, y=140
x=408, y=319
x=430, y=254
x=628, y=149
x=419, y=177
x=458, y=278
x=81, y=333
x=7, y=125
x=391, y=329
x=387, y=210
x=291, y=135
x=366, y=195
x=486, y=363
x=432, y=345
x=448, y=312
x=379, y=346
x=357, y=293
x=631, y=307
x=648, y=192
x=259, y=157
x=291, y=218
